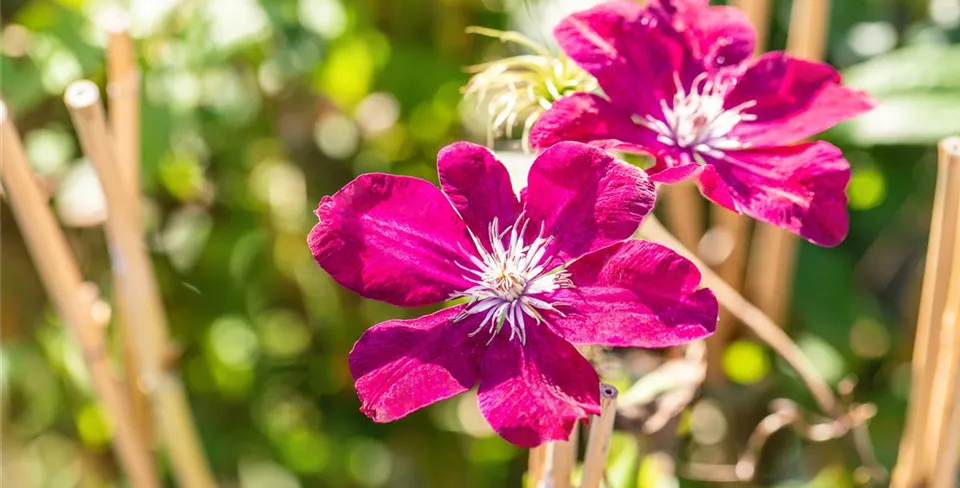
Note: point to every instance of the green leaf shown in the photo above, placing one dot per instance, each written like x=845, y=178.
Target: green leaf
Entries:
x=918, y=91
x=921, y=68
x=921, y=118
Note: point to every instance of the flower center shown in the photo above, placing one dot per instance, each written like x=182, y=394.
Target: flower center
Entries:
x=698, y=121
x=509, y=280
x=509, y=285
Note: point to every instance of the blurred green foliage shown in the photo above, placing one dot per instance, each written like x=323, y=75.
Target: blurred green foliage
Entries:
x=254, y=109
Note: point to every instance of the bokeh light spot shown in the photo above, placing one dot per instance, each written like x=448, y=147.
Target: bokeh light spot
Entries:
x=745, y=362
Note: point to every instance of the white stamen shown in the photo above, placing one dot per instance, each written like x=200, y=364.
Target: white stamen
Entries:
x=698, y=120
x=506, y=280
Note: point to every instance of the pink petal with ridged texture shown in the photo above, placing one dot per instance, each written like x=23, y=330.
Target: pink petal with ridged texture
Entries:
x=536, y=393
x=589, y=118
x=404, y=365
x=635, y=55
x=721, y=36
x=673, y=166
x=391, y=238
x=800, y=188
x=712, y=187
x=795, y=99
x=634, y=294
x=478, y=186
x=585, y=198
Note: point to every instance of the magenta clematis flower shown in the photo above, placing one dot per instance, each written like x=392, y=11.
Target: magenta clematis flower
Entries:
x=679, y=84
x=540, y=273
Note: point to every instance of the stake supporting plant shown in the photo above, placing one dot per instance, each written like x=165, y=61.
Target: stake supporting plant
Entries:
x=774, y=263
x=141, y=300
x=598, y=441
x=920, y=442
x=123, y=90
x=945, y=468
x=563, y=456
x=758, y=11
x=735, y=228
x=60, y=274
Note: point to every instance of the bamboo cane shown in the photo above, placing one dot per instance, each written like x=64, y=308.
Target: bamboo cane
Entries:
x=772, y=269
x=758, y=11
x=123, y=89
x=944, y=420
x=61, y=277
x=914, y=448
x=535, y=462
x=563, y=456
x=736, y=227
x=684, y=211
x=142, y=304
x=598, y=442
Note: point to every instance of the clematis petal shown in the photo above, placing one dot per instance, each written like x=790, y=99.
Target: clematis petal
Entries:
x=585, y=198
x=634, y=294
x=722, y=36
x=635, y=55
x=535, y=393
x=404, y=365
x=478, y=186
x=800, y=188
x=589, y=118
x=391, y=238
x=673, y=166
x=712, y=187
x=795, y=99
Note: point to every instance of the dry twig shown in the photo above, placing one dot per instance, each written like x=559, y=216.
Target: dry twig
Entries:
x=784, y=414
x=767, y=331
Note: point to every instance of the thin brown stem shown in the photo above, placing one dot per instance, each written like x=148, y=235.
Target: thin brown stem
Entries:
x=141, y=299
x=914, y=446
x=758, y=322
x=785, y=414
x=598, y=442
x=61, y=276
